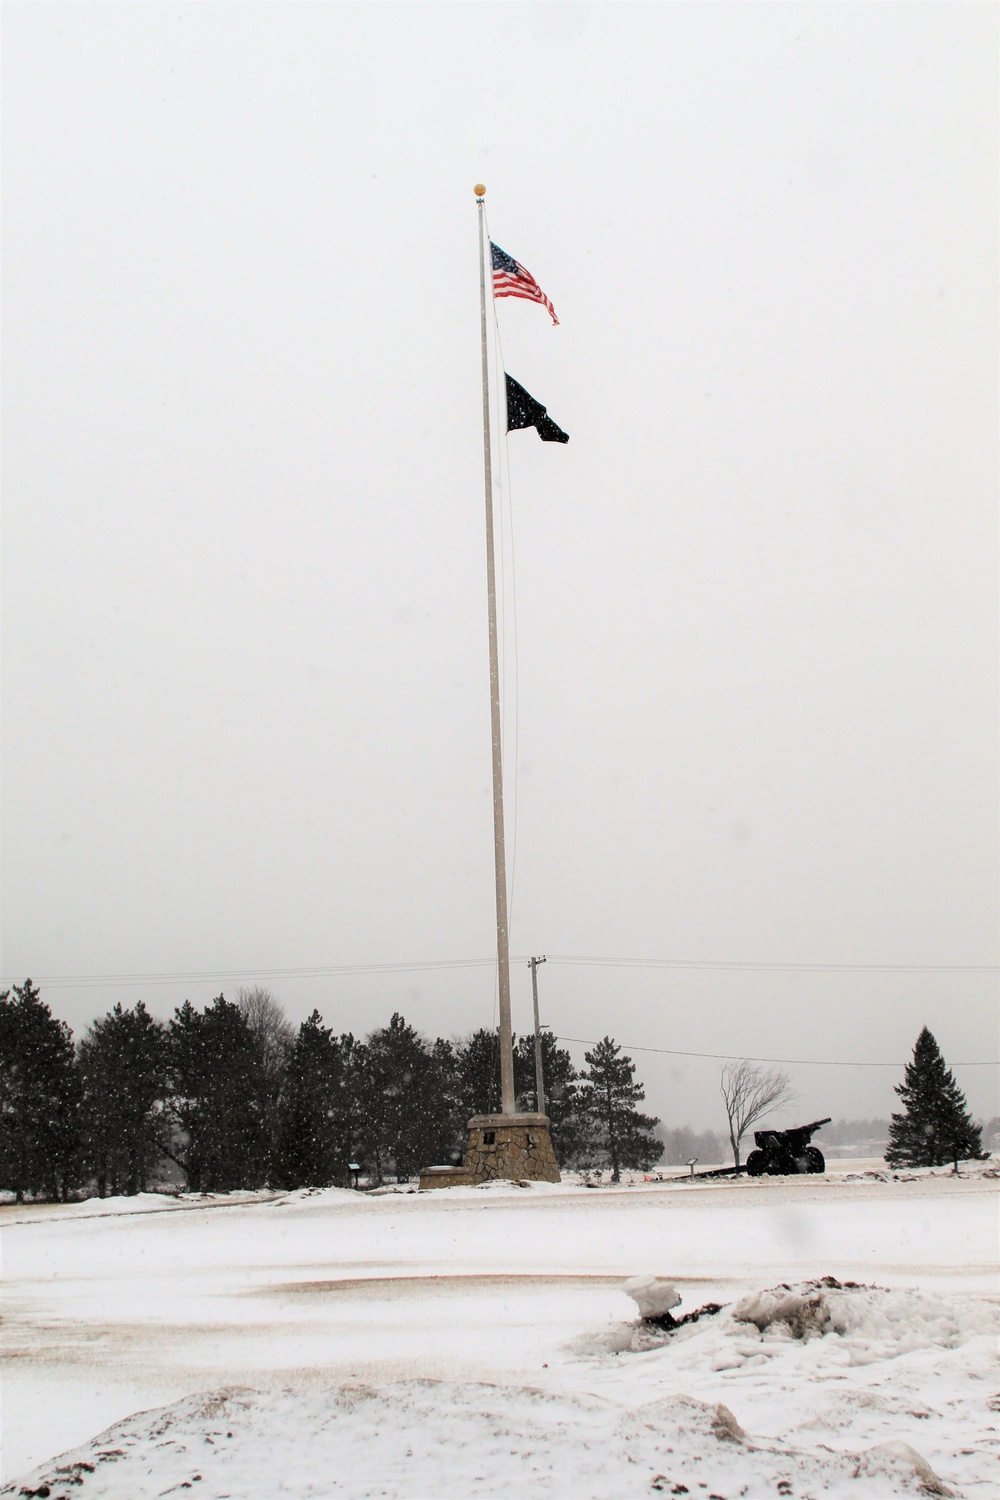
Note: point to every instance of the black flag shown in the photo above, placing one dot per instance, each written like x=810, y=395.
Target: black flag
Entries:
x=524, y=411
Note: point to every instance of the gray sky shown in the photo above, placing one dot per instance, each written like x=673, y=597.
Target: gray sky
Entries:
x=753, y=717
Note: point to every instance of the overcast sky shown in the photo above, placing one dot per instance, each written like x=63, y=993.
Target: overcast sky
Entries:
x=751, y=674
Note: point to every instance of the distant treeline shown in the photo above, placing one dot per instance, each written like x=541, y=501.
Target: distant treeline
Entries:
x=860, y=1133
x=709, y=1147
x=233, y=1097
x=681, y=1144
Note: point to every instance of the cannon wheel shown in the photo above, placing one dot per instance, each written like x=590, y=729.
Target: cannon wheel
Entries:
x=814, y=1157
x=756, y=1164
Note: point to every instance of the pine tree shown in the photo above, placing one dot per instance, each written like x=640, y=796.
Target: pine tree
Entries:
x=935, y=1127
x=609, y=1095
x=217, y=1101
x=453, y=1118
x=123, y=1066
x=316, y=1115
x=39, y=1097
x=408, y=1117
x=477, y=1065
x=561, y=1084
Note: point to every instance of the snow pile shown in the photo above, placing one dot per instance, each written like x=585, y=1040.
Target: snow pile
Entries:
x=972, y=1170
x=799, y=1312
x=653, y=1296
x=136, y=1203
x=454, y=1442
x=875, y=1323
x=898, y=1459
x=887, y=1324
x=893, y=1382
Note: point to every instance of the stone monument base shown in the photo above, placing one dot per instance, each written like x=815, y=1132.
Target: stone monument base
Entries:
x=435, y=1177
x=511, y=1147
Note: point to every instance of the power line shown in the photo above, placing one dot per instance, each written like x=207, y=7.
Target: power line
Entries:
x=805, y=1062
x=68, y=981
x=744, y=965
x=332, y=971
x=196, y=976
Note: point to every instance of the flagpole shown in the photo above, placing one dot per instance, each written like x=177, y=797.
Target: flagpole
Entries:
x=499, y=860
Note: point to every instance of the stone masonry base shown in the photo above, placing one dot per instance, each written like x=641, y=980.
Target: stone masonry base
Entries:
x=514, y=1147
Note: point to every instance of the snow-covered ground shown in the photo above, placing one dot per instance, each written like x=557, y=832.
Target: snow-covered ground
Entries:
x=477, y=1341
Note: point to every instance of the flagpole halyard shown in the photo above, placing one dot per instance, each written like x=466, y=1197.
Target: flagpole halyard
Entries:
x=499, y=857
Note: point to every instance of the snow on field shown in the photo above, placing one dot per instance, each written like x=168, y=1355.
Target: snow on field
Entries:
x=479, y=1342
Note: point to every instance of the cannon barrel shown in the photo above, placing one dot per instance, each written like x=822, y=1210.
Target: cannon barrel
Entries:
x=795, y=1136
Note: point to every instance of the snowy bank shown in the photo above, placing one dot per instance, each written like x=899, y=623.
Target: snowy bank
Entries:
x=424, y=1440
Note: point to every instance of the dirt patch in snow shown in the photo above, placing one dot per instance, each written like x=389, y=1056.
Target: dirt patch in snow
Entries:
x=389, y=1287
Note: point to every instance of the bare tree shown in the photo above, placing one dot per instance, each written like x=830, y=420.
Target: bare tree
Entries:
x=750, y=1092
x=275, y=1036
x=266, y=1019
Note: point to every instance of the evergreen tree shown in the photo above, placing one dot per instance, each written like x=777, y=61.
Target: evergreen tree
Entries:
x=477, y=1070
x=316, y=1109
x=216, y=1106
x=935, y=1127
x=561, y=1084
x=349, y=1104
x=609, y=1095
x=450, y=1138
x=407, y=1120
x=39, y=1097
x=123, y=1066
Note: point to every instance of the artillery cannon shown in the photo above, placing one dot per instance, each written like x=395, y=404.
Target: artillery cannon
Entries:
x=781, y=1153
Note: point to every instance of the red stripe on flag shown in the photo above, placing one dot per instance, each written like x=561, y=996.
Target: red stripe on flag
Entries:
x=522, y=285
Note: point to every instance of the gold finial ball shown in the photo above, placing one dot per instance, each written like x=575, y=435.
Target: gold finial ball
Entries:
x=480, y=190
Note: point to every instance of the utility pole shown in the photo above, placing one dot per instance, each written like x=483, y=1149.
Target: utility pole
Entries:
x=539, y=1079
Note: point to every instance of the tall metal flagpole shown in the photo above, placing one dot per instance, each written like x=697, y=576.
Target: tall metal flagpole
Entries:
x=499, y=860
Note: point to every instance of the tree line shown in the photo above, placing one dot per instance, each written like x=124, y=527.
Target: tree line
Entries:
x=235, y=1098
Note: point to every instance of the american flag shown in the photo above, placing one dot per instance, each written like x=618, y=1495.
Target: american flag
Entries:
x=511, y=280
